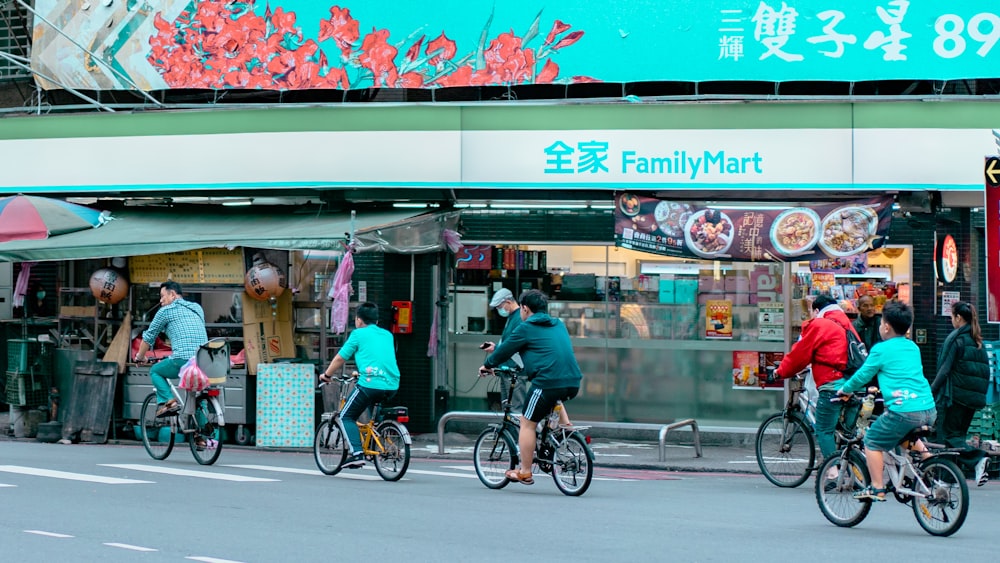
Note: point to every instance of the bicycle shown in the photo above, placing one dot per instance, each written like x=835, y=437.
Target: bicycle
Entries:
x=562, y=452
x=785, y=444
x=384, y=438
x=934, y=487
x=201, y=417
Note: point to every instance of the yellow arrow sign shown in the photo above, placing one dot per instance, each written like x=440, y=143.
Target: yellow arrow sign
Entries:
x=992, y=171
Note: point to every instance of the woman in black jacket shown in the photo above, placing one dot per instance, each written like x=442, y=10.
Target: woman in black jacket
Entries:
x=963, y=375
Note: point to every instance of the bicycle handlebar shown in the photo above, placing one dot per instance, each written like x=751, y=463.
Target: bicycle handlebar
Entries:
x=353, y=376
x=502, y=370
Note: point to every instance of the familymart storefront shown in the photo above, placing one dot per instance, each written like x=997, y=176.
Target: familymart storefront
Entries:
x=545, y=181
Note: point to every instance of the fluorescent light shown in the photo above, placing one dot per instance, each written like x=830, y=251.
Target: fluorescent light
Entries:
x=471, y=205
x=405, y=205
x=538, y=205
x=241, y=203
x=602, y=206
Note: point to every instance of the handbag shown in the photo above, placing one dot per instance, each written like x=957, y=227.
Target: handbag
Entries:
x=192, y=378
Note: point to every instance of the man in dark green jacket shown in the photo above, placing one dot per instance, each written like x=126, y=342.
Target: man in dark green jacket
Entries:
x=550, y=365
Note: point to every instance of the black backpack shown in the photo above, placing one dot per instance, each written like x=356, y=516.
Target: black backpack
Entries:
x=856, y=353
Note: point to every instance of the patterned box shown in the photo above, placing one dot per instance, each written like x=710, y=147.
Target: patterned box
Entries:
x=286, y=400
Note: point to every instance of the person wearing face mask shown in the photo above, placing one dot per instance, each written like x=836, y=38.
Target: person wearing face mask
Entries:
x=39, y=306
x=507, y=307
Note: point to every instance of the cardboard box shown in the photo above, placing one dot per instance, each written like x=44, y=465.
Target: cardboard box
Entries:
x=77, y=311
x=266, y=342
x=256, y=311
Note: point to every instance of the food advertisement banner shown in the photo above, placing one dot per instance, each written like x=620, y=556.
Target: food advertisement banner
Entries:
x=692, y=230
x=992, y=177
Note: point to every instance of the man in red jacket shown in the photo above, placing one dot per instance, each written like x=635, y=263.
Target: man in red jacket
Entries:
x=824, y=345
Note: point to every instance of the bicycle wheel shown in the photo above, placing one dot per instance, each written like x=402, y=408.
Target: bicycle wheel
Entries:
x=942, y=512
x=493, y=455
x=572, y=467
x=157, y=433
x=206, y=424
x=329, y=447
x=836, y=496
x=785, y=450
x=392, y=461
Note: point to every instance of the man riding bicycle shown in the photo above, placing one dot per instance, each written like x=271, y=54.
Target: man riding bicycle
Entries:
x=379, y=374
x=184, y=323
x=824, y=345
x=549, y=364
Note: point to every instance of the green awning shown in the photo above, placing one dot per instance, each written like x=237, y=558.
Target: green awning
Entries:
x=143, y=231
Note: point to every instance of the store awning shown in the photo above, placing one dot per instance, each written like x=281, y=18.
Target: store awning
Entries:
x=138, y=231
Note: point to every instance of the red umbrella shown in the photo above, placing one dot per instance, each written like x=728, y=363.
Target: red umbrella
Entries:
x=25, y=217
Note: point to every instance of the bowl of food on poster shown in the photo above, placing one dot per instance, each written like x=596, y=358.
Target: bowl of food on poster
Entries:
x=708, y=233
x=629, y=204
x=795, y=231
x=671, y=216
x=848, y=230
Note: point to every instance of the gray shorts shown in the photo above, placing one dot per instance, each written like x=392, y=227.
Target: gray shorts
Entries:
x=890, y=428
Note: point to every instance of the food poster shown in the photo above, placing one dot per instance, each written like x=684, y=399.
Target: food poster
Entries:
x=813, y=232
x=771, y=321
x=719, y=318
x=768, y=361
x=745, y=366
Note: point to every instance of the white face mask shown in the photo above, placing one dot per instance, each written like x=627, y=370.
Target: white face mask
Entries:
x=503, y=312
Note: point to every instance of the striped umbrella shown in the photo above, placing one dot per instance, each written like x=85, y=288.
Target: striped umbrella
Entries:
x=25, y=217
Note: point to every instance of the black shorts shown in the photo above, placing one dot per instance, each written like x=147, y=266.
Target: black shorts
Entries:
x=541, y=401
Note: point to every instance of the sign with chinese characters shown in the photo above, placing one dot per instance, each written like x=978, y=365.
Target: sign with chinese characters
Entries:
x=683, y=229
x=355, y=44
x=719, y=319
x=771, y=320
x=948, y=259
x=949, y=298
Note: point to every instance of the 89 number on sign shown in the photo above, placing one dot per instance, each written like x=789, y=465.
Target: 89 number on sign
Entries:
x=950, y=43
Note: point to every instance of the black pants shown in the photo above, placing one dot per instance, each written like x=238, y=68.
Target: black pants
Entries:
x=952, y=429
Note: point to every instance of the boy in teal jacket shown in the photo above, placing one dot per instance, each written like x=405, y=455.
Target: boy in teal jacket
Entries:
x=909, y=403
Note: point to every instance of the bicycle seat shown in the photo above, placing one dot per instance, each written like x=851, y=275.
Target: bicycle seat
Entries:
x=917, y=433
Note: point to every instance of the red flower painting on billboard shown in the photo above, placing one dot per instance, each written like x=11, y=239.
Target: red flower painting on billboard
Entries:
x=222, y=44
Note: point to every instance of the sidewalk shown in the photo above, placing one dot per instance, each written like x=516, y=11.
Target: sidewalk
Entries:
x=723, y=450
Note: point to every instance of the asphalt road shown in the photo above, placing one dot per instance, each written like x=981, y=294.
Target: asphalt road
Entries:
x=113, y=503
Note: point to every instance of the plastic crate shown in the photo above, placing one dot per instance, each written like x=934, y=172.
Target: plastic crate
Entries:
x=30, y=356
x=26, y=389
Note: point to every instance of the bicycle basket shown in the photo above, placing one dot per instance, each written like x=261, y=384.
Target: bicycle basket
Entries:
x=399, y=414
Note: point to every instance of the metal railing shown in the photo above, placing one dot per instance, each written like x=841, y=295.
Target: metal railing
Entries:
x=497, y=417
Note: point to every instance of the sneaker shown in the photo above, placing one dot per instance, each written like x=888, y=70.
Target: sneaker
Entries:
x=200, y=444
x=356, y=461
x=168, y=408
x=981, y=477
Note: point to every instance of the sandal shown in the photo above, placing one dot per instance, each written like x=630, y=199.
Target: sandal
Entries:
x=870, y=493
x=517, y=475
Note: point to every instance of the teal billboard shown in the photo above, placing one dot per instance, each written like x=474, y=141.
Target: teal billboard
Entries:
x=352, y=44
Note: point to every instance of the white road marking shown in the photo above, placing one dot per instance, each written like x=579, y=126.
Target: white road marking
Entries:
x=210, y=559
x=131, y=547
x=187, y=472
x=277, y=469
x=49, y=534
x=71, y=476
x=6, y=485
x=441, y=473
x=343, y=473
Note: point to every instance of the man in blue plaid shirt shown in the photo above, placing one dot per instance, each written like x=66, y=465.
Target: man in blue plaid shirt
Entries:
x=184, y=324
